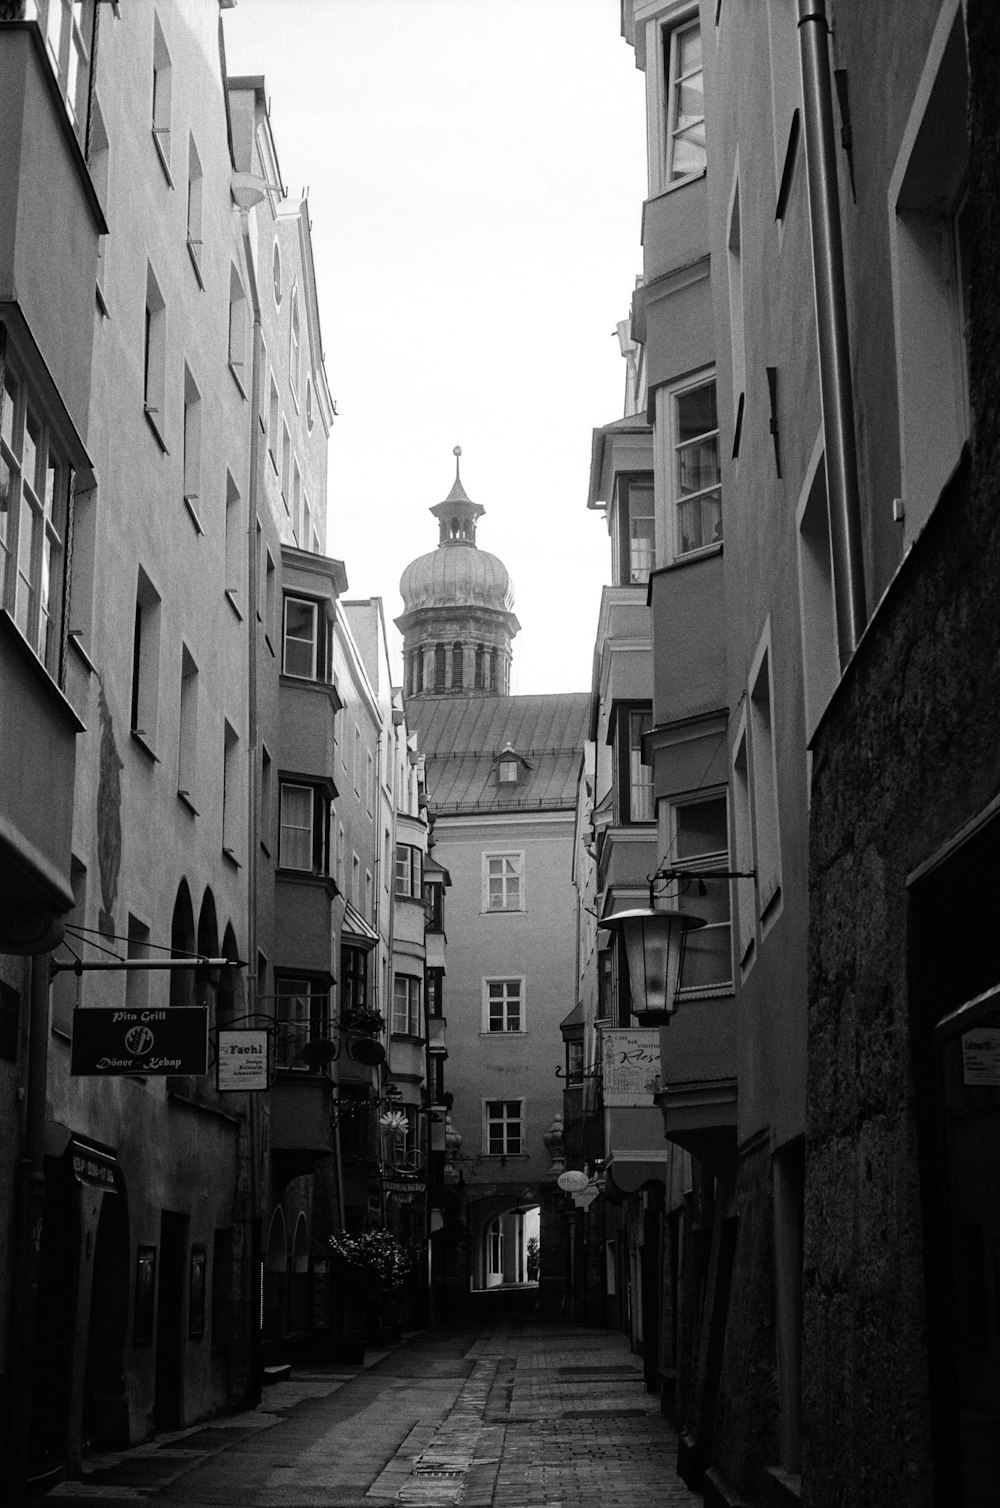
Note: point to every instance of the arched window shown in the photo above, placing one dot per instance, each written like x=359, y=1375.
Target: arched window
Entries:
x=457, y=666
x=206, y=980
x=494, y=658
x=440, y=666
x=182, y=944
x=479, y=667
x=418, y=670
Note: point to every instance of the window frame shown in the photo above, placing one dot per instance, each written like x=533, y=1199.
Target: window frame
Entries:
x=490, y=855
x=671, y=29
x=317, y=668
x=406, y=1018
x=627, y=572
x=318, y=828
x=409, y=872
x=505, y=1120
x=317, y=1019
x=496, y=1022
x=718, y=858
x=667, y=445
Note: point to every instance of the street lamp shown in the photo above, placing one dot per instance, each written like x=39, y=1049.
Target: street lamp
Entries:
x=655, y=939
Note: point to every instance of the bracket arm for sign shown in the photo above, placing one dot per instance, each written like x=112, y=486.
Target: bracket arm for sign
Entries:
x=77, y=965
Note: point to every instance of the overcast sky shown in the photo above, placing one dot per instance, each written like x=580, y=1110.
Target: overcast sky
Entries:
x=476, y=170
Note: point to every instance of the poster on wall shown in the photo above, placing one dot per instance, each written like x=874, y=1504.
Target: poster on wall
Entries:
x=631, y=1062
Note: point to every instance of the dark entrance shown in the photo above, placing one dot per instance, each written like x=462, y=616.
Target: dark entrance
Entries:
x=105, y=1408
x=167, y=1407
x=57, y=1276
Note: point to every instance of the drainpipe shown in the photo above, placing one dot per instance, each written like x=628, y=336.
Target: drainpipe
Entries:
x=831, y=321
x=248, y=191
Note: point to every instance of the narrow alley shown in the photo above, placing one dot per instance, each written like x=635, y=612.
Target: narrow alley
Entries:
x=521, y=1414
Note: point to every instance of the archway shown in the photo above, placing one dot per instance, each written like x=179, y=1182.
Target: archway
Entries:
x=275, y=1274
x=182, y=945
x=299, y=1280
x=105, y=1400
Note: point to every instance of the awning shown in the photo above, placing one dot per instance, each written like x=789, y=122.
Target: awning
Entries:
x=355, y=925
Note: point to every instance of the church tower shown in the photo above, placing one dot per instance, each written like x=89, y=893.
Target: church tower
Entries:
x=457, y=621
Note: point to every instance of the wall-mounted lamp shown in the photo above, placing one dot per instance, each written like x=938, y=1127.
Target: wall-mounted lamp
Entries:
x=655, y=938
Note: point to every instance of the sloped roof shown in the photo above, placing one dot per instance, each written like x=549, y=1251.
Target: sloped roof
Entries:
x=462, y=736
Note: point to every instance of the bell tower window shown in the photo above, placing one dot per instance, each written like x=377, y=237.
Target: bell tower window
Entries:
x=457, y=666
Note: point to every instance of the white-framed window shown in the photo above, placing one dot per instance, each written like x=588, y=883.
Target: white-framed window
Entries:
x=301, y=639
x=303, y=822
x=303, y=1015
x=764, y=776
x=638, y=721
x=154, y=357
x=633, y=530
x=162, y=97
x=698, y=839
x=407, y=994
x=409, y=871
x=503, y=1005
x=684, y=99
x=194, y=209
x=929, y=264
x=743, y=843
x=690, y=474
x=503, y=1128
x=34, y=499
x=68, y=26
x=503, y=881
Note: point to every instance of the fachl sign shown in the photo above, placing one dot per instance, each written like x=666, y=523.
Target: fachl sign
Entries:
x=242, y=1061
x=109, y=1041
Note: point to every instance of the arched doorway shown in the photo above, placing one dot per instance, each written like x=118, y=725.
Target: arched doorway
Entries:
x=105, y=1402
x=298, y=1297
x=275, y=1275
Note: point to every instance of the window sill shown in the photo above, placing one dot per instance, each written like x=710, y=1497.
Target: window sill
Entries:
x=195, y=256
x=189, y=503
x=503, y=911
x=101, y=301
x=505, y=1156
x=706, y=992
x=410, y=1037
x=229, y=854
x=184, y=797
x=159, y=137
x=230, y=597
x=521, y=1032
x=74, y=636
x=152, y=420
x=139, y=739
x=690, y=557
x=238, y=379
x=679, y=183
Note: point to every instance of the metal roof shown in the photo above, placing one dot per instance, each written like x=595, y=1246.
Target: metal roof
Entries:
x=461, y=738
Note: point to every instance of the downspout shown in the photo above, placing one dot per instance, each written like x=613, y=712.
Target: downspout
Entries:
x=832, y=329
x=248, y=191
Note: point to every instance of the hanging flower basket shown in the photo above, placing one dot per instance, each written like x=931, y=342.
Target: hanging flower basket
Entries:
x=374, y=1263
x=364, y=1022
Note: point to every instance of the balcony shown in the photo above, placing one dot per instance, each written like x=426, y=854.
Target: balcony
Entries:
x=688, y=633
x=52, y=220
x=675, y=228
x=36, y=812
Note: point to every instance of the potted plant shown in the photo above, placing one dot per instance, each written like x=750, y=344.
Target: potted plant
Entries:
x=358, y=1018
x=372, y=1268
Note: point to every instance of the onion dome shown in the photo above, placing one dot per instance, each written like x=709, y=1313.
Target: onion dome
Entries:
x=457, y=573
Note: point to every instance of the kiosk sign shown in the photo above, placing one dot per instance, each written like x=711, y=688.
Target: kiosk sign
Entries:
x=108, y=1042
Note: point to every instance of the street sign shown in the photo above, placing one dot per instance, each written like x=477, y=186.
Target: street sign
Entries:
x=108, y=1041
x=242, y=1060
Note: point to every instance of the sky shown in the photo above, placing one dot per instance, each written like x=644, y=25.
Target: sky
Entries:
x=475, y=171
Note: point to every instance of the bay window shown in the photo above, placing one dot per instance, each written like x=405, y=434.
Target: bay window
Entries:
x=302, y=838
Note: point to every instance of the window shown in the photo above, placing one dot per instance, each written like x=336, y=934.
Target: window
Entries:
x=434, y=992
x=699, y=838
x=818, y=614
x=145, y=660
x=137, y=980
x=929, y=257
x=440, y=667
x=162, y=87
x=99, y=162
x=194, y=196
x=479, y=673
x=276, y=273
x=187, y=729
x=269, y=592
x=457, y=666
x=293, y=343
x=303, y=825
x=409, y=871
x=234, y=542
x=69, y=37
x=232, y=793
x=764, y=784
x=286, y=468
x=504, y=1128
x=574, y=1063
x=508, y=768
x=274, y=418
x=636, y=532
x=368, y=895
x=685, y=102
x=502, y=1005
x=635, y=779
x=687, y=426
x=266, y=797
x=341, y=854
x=605, y=985
x=743, y=845
x=34, y=501
x=355, y=881
x=502, y=887
x=309, y=403
x=369, y=783
x=192, y=448
x=736, y=322
x=301, y=538
x=386, y=860
x=406, y=999
x=303, y=1012
x=301, y=641
x=237, y=327
x=155, y=358
x=353, y=979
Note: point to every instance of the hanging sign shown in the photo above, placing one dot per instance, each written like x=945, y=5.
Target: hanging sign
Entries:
x=981, y=1057
x=584, y=1198
x=631, y=1065
x=242, y=1060
x=108, y=1042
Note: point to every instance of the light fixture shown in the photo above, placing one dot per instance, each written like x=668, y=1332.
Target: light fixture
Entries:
x=655, y=939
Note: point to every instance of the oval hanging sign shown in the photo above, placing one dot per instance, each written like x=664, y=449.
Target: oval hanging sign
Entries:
x=572, y=1181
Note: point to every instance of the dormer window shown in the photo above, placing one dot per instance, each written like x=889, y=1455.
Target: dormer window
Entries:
x=508, y=767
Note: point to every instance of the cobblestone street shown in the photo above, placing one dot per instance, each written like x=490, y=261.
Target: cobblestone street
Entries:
x=523, y=1414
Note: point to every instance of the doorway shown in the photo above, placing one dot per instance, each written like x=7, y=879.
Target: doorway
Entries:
x=168, y=1403
x=105, y=1405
